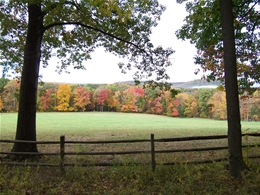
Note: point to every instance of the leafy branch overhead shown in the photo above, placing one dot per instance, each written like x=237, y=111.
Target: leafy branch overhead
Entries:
x=35, y=30
x=72, y=30
x=203, y=28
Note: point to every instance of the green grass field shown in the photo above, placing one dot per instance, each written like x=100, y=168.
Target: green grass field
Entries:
x=101, y=125
x=127, y=180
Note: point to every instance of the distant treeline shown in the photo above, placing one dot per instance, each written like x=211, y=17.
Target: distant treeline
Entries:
x=127, y=97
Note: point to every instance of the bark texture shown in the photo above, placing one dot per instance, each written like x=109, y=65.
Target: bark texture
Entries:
x=236, y=163
x=26, y=124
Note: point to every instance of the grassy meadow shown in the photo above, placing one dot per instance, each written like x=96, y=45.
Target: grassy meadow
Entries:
x=127, y=180
x=101, y=125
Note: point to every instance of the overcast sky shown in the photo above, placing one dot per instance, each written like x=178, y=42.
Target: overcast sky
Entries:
x=103, y=68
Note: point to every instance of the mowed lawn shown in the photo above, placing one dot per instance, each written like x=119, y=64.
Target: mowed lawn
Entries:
x=110, y=125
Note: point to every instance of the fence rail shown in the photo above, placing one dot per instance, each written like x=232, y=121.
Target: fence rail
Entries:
x=62, y=153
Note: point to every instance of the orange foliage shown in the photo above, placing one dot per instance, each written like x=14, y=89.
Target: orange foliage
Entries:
x=128, y=108
x=82, y=98
x=1, y=103
x=46, y=101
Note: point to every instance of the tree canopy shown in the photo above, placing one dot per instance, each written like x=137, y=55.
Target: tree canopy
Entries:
x=226, y=36
x=72, y=30
x=202, y=27
x=33, y=31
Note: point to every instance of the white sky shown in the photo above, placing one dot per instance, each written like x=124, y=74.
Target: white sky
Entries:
x=103, y=68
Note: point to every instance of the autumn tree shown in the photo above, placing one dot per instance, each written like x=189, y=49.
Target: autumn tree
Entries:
x=139, y=94
x=218, y=108
x=101, y=98
x=90, y=88
x=3, y=82
x=117, y=100
x=128, y=101
x=171, y=104
x=1, y=104
x=34, y=31
x=43, y=87
x=11, y=95
x=63, y=97
x=245, y=104
x=82, y=98
x=182, y=98
x=157, y=107
x=110, y=100
x=191, y=107
x=47, y=100
x=149, y=96
x=203, y=27
x=249, y=106
x=91, y=105
x=133, y=99
x=255, y=108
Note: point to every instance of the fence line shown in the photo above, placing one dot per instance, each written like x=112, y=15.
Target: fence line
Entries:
x=152, y=151
x=131, y=141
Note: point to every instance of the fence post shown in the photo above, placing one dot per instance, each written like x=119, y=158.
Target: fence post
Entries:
x=62, y=152
x=152, y=153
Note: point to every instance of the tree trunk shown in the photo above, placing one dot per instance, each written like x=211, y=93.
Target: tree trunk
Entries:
x=236, y=163
x=26, y=124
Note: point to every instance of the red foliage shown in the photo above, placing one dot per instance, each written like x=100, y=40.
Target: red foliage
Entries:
x=139, y=91
x=46, y=100
x=136, y=91
x=158, y=107
x=103, y=94
x=175, y=112
x=176, y=102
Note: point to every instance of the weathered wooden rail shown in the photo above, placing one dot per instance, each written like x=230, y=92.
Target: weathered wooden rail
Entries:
x=152, y=151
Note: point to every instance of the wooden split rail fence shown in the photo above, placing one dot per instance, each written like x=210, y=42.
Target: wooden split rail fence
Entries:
x=152, y=150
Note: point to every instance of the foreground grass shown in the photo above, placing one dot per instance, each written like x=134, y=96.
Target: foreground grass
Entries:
x=179, y=179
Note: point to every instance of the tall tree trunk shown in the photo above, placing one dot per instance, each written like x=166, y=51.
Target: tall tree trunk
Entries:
x=26, y=124
x=236, y=163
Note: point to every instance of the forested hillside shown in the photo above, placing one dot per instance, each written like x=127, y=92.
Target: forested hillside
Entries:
x=200, y=83
x=127, y=97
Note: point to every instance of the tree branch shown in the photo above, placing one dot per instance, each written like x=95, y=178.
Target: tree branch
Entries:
x=248, y=11
x=95, y=29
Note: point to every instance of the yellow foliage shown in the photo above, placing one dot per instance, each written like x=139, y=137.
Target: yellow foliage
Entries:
x=63, y=97
x=256, y=117
x=192, y=107
x=218, y=102
x=1, y=103
x=129, y=108
x=221, y=88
